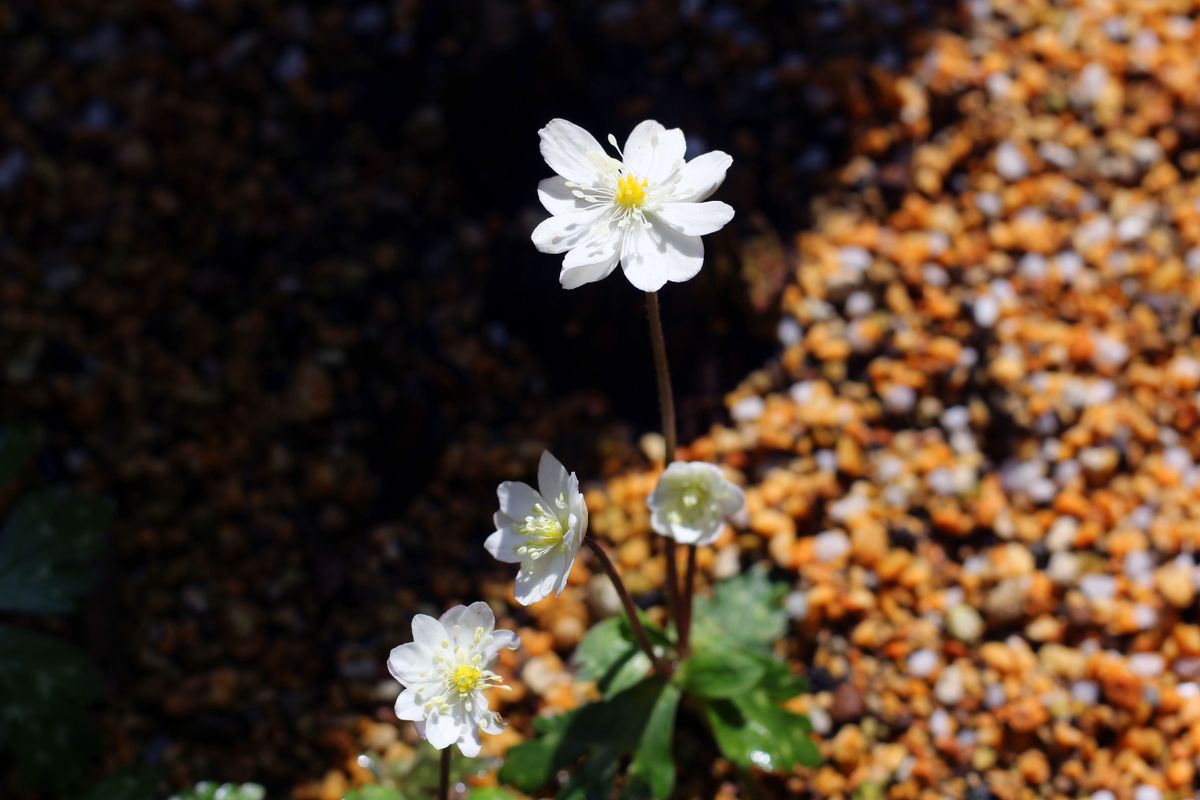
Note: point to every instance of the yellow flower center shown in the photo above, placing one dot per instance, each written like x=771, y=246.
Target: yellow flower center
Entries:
x=466, y=678
x=543, y=532
x=631, y=192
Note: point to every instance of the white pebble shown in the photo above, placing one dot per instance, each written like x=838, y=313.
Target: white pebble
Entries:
x=949, y=690
x=1010, y=162
x=940, y=725
x=796, y=605
x=1146, y=665
x=986, y=310
x=830, y=546
x=994, y=696
x=1086, y=692
x=922, y=663
x=854, y=259
x=899, y=399
x=1147, y=792
x=822, y=723
x=748, y=409
x=859, y=304
x=1063, y=568
x=1098, y=587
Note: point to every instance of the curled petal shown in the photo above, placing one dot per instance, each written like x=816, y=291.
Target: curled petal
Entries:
x=517, y=499
x=695, y=219
x=503, y=544
x=701, y=176
x=569, y=150
x=564, y=232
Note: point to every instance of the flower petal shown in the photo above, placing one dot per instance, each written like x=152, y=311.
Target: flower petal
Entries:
x=467, y=619
x=695, y=219
x=592, y=260
x=442, y=730
x=536, y=579
x=653, y=152
x=701, y=176
x=408, y=663
x=469, y=744
x=566, y=574
x=563, y=232
x=568, y=150
x=651, y=256
x=553, y=478
x=517, y=499
x=557, y=198
x=505, y=640
x=503, y=543
x=427, y=631
x=408, y=707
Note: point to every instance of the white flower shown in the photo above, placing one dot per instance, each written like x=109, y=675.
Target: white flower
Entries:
x=643, y=211
x=691, y=501
x=541, y=530
x=446, y=668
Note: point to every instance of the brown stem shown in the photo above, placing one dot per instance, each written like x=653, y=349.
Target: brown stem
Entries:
x=666, y=400
x=666, y=404
x=639, y=632
x=689, y=590
x=444, y=782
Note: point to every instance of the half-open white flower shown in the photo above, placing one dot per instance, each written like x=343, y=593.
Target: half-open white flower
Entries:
x=643, y=211
x=446, y=668
x=691, y=502
x=540, y=530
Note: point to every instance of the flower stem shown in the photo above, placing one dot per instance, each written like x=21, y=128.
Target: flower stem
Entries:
x=689, y=590
x=444, y=782
x=666, y=404
x=639, y=631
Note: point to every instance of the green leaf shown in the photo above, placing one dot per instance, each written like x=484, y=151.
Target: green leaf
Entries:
x=48, y=551
x=603, y=731
x=652, y=770
x=128, y=784
x=209, y=790
x=609, y=656
x=778, y=681
x=491, y=793
x=745, y=611
x=46, y=687
x=18, y=446
x=717, y=672
x=380, y=793
x=752, y=731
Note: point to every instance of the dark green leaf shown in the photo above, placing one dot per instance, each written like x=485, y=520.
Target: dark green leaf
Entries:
x=745, y=611
x=652, y=770
x=603, y=731
x=752, y=731
x=46, y=687
x=129, y=784
x=778, y=681
x=48, y=551
x=609, y=656
x=718, y=672
x=18, y=446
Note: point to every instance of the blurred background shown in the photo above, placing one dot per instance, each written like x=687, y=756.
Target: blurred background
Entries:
x=272, y=329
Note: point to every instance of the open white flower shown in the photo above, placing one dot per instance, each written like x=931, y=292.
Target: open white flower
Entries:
x=691, y=502
x=446, y=668
x=541, y=530
x=644, y=211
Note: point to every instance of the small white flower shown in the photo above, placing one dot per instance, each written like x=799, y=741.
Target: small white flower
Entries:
x=446, y=668
x=692, y=501
x=540, y=530
x=644, y=211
